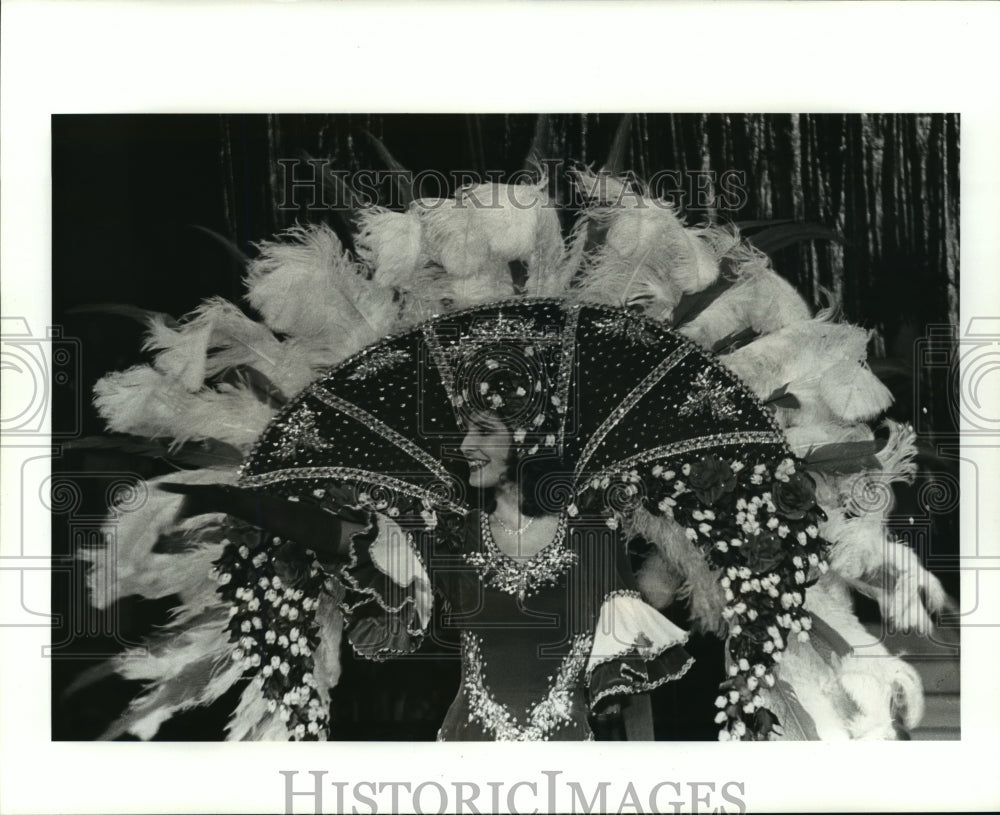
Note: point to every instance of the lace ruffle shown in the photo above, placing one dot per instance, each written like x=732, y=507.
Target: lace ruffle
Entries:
x=388, y=597
x=635, y=649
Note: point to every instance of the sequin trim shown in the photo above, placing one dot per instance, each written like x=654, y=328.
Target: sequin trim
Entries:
x=699, y=443
x=566, y=368
x=309, y=473
x=629, y=402
x=522, y=578
x=379, y=361
x=443, y=368
x=546, y=716
x=375, y=424
x=641, y=687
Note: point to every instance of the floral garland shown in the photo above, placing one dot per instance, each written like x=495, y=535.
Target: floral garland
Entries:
x=273, y=589
x=757, y=524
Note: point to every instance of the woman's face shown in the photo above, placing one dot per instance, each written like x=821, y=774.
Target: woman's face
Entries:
x=486, y=447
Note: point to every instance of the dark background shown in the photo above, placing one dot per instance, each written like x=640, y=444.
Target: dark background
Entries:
x=134, y=195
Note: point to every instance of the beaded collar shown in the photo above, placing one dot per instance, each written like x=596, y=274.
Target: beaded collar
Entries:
x=521, y=577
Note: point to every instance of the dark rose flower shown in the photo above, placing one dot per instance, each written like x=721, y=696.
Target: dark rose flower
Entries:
x=765, y=722
x=795, y=497
x=710, y=477
x=765, y=552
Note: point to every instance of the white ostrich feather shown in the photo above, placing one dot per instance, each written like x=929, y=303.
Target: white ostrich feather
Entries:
x=854, y=695
x=880, y=684
x=822, y=364
x=169, y=656
x=648, y=260
x=872, y=562
x=217, y=337
x=852, y=392
x=147, y=402
x=658, y=584
x=182, y=353
x=127, y=565
x=326, y=658
x=899, y=455
x=481, y=230
x=558, y=281
x=391, y=245
x=189, y=667
x=681, y=561
x=814, y=683
x=307, y=287
x=252, y=721
x=760, y=300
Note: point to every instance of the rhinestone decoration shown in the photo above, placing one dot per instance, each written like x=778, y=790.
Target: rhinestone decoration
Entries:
x=518, y=366
x=567, y=357
x=378, y=361
x=540, y=720
x=628, y=328
x=373, y=423
x=300, y=433
x=521, y=578
x=708, y=396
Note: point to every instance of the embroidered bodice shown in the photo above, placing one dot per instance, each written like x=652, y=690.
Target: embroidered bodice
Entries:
x=520, y=577
x=543, y=640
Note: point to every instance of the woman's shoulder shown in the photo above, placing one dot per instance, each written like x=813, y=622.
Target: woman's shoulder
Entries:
x=455, y=536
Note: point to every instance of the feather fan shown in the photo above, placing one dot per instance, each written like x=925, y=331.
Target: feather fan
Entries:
x=319, y=306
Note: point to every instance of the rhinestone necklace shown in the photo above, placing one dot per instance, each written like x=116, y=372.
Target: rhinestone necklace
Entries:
x=521, y=578
x=510, y=531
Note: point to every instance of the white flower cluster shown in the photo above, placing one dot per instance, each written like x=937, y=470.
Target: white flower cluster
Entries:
x=270, y=621
x=667, y=504
x=748, y=512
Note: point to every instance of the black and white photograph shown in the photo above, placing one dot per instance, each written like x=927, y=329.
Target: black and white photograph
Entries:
x=512, y=445
x=355, y=433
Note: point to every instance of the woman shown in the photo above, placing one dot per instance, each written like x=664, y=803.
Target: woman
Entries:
x=551, y=626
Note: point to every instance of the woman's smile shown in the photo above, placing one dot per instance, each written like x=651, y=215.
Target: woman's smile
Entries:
x=486, y=448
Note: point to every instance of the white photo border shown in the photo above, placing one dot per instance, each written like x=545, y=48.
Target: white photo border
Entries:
x=60, y=56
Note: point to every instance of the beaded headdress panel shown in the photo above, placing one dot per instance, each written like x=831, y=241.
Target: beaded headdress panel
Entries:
x=602, y=388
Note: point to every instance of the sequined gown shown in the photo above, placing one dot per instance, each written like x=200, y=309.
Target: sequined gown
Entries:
x=544, y=642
